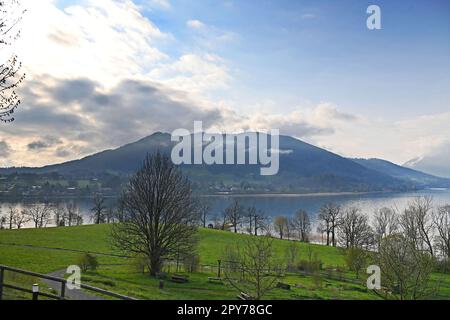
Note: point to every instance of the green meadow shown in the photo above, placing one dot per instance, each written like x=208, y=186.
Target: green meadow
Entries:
x=52, y=249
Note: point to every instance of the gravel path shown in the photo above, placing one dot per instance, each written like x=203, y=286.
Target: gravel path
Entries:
x=70, y=294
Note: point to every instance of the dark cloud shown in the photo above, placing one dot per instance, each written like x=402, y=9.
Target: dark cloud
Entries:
x=5, y=150
x=44, y=143
x=92, y=118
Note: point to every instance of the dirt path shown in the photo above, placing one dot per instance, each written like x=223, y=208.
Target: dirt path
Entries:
x=70, y=294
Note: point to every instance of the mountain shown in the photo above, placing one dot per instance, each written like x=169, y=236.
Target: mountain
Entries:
x=418, y=178
x=436, y=164
x=303, y=168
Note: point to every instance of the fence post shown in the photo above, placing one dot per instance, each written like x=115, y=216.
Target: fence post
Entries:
x=35, y=291
x=2, y=273
x=63, y=289
x=218, y=271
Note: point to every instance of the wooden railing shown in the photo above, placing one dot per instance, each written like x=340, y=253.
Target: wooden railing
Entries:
x=62, y=293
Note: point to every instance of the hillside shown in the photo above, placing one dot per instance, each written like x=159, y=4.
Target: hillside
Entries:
x=303, y=168
x=50, y=249
x=407, y=174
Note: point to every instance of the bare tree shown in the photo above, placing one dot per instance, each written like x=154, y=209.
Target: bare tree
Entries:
x=329, y=218
x=235, y=214
x=2, y=222
x=12, y=212
x=40, y=214
x=98, y=210
x=160, y=217
x=251, y=266
x=354, y=229
x=59, y=215
x=204, y=211
x=257, y=220
x=441, y=219
x=405, y=270
x=280, y=223
x=10, y=77
x=71, y=214
x=417, y=223
x=301, y=224
x=385, y=223
x=20, y=219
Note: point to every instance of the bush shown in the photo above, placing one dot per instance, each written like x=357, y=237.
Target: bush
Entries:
x=311, y=266
x=139, y=263
x=87, y=262
x=191, y=263
x=356, y=260
x=443, y=266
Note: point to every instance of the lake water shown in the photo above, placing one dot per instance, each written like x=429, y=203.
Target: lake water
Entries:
x=274, y=205
x=288, y=204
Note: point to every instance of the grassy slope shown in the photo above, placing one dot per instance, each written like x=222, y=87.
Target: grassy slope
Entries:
x=117, y=275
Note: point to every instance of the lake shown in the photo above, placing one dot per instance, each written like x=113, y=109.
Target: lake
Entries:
x=274, y=205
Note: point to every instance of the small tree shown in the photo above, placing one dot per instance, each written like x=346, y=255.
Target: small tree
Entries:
x=251, y=266
x=329, y=221
x=235, y=214
x=441, y=220
x=356, y=259
x=301, y=225
x=292, y=254
x=204, y=211
x=280, y=223
x=40, y=214
x=354, y=229
x=405, y=270
x=87, y=262
x=98, y=209
x=385, y=224
x=417, y=224
x=20, y=219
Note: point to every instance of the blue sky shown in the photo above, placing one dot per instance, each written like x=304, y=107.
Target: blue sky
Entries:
x=293, y=51
x=309, y=68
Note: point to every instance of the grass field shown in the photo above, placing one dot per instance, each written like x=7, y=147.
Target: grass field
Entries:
x=52, y=249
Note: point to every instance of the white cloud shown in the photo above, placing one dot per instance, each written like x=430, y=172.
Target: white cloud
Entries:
x=104, y=40
x=161, y=4
x=193, y=73
x=195, y=24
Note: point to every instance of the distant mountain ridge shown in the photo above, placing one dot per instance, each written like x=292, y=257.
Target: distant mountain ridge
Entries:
x=304, y=168
x=407, y=174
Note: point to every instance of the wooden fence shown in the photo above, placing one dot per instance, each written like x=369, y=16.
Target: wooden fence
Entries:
x=35, y=294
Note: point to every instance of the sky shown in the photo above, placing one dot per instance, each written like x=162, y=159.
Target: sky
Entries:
x=102, y=73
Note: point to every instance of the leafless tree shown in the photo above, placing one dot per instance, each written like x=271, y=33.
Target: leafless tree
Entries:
x=2, y=222
x=20, y=219
x=160, y=217
x=10, y=76
x=12, y=212
x=257, y=220
x=301, y=225
x=385, y=224
x=354, y=229
x=59, y=215
x=204, y=211
x=251, y=266
x=417, y=224
x=40, y=214
x=98, y=209
x=72, y=214
x=235, y=214
x=441, y=219
x=280, y=223
x=329, y=218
